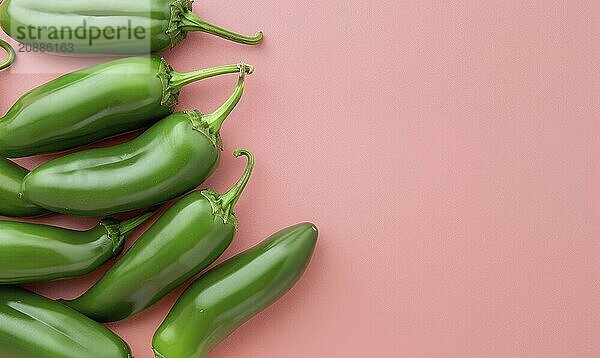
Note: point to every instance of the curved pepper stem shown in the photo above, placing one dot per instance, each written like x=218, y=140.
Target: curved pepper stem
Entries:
x=230, y=198
x=215, y=120
x=126, y=227
x=10, y=55
x=191, y=22
x=178, y=80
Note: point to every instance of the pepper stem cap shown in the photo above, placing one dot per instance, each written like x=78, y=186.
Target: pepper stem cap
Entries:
x=118, y=231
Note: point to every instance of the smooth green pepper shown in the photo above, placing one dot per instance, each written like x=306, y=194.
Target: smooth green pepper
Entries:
x=95, y=103
x=233, y=292
x=169, y=159
x=10, y=55
x=11, y=203
x=32, y=326
x=108, y=26
x=34, y=252
x=185, y=240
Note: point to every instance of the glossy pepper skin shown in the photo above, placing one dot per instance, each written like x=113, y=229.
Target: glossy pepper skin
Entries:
x=95, y=103
x=34, y=252
x=32, y=326
x=11, y=204
x=10, y=55
x=110, y=25
x=230, y=294
x=185, y=240
x=169, y=159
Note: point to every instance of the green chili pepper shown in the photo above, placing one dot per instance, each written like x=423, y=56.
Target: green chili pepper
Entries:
x=185, y=240
x=108, y=26
x=169, y=159
x=33, y=326
x=34, y=252
x=95, y=103
x=232, y=293
x=11, y=203
x=10, y=52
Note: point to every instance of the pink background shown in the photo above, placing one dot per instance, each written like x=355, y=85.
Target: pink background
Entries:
x=448, y=152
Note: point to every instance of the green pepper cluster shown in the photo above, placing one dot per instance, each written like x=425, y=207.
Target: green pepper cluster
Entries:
x=175, y=153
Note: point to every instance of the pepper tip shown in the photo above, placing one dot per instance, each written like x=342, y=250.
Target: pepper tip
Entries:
x=242, y=151
x=246, y=68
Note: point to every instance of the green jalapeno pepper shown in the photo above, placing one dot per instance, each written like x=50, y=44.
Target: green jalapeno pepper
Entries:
x=10, y=55
x=32, y=326
x=233, y=292
x=185, y=240
x=11, y=203
x=94, y=103
x=108, y=26
x=169, y=159
x=34, y=252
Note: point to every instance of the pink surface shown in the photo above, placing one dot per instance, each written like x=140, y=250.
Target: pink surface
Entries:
x=448, y=152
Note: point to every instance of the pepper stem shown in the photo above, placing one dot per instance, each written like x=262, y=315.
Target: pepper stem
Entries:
x=178, y=79
x=126, y=227
x=230, y=198
x=10, y=55
x=215, y=120
x=191, y=22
